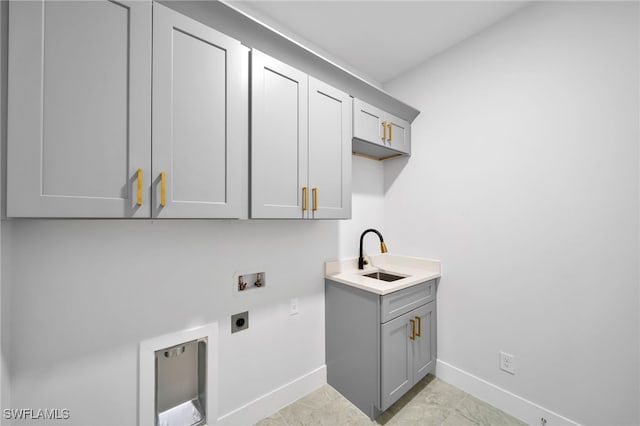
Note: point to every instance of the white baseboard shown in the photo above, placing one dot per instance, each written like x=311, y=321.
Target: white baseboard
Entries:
x=520, y=408
x=271, y=402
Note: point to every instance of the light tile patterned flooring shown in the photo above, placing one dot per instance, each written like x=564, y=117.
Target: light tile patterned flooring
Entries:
x=430, y=402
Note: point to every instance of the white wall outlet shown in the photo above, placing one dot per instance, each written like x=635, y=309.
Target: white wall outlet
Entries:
x=294, y=307
x=507, y=363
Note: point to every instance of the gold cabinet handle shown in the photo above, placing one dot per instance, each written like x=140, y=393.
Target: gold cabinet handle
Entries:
x=419, y=326
x=315, y=199
x=390, y=131
x=139, y=201
x=163, y=189
x=413, y=330
x=305, y=199
x=384, y=130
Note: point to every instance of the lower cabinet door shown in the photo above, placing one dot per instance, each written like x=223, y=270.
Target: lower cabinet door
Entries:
x=396, y=361
x=424, y=346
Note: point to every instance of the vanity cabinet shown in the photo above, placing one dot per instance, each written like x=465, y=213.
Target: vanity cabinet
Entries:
x=378, y=134
x=379, y=346
x=79, y=109
x=300, y=144
x=80, y=113
x=406, y=352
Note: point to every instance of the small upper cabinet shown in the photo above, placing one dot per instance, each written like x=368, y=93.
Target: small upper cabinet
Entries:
x=300, y=144
x=79, y=109
x=199, y=119
x=398, y=135
x=378, y=134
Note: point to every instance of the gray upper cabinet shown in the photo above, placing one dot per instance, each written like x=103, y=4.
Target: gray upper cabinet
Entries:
x=330, y=123
x=80, y=113
x=300, y=144
x=79, y=109
x=279, y=139
x=378, y=134
x=367, y=122
x=398, y=135
x=199, y=117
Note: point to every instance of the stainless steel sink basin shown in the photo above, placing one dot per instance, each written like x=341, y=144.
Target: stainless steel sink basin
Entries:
x=383, y=276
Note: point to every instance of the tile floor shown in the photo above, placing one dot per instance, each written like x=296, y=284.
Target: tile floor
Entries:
x=430, y=402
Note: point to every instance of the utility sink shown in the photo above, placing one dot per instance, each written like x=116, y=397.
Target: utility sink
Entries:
x=383, y=276
x=385, y=273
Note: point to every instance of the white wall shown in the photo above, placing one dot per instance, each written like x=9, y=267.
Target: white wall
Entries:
x=253, y=10
x=524, y=181
x=84, y=293
x=367, y=210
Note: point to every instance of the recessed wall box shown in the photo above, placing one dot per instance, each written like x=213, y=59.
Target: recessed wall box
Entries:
x=248, y=281
x=180, y=395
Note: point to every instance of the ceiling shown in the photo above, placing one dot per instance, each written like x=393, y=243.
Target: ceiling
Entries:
x=379, y=40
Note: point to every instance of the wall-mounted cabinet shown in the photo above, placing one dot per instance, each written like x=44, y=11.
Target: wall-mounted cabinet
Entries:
x=80, y=109
x=329, y=151
x=199, y=119
x=300, y=144
x=378, y=134
x=124, y=110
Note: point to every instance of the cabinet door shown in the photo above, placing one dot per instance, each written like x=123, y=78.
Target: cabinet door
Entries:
x=367, y=122
x=396, y=361
x=197, y=119
x=398, y=134
x=79, y=108
x=424, y=353
x=278, y=139
x=330, y=129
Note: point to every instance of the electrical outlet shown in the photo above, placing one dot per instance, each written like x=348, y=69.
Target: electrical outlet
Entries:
x=507, y=363
x=294, y=307
x=239, y=321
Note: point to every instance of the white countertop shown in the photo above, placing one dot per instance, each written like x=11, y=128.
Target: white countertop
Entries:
x=414, y=269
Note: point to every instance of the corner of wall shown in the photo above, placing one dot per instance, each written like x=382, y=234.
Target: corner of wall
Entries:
x=450, y=200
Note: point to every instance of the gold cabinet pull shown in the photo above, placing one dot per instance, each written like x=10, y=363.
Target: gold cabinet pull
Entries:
x=315, y=199
x=419, y=326
x=163, y=189
x=384, y=130
x=413, y=330
x=305, y=199
x=390, y=125
x=139, y=201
